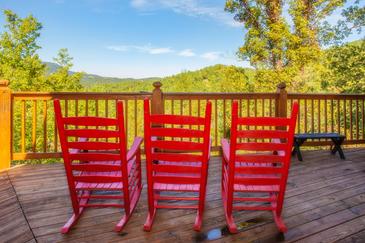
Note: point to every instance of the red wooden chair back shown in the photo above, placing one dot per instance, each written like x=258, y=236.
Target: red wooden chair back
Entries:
x=177, y=160
x=96, y=159
x=257, y=161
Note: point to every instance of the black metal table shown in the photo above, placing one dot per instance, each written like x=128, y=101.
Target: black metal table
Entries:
x=336, y=138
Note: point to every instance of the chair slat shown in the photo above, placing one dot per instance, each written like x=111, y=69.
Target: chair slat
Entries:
x=169, y=198
x=98, y=179
x=176, y=132
x=257, y=181
x=255, y=208
x=177, y=206
x=175, y=157
x=177, y=145
x=95, y=167
x=176, y=179
x=260, y=158
x=176, y=119
x=258, y=170
x=92, y=133
x=93, y=145
x=261, y=146
x=90, y=121
x=176, y=168
x=254, y=199
x=95, y=157
x=263, y=121
x=262, y=134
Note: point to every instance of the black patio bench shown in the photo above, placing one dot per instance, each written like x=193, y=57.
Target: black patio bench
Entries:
x=336, y=138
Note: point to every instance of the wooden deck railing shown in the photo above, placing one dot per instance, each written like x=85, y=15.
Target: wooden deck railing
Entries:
x=28, y=128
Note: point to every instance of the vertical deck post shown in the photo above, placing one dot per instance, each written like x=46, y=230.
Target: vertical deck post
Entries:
x=157, y=102
x=5, y=125
x=281, y=101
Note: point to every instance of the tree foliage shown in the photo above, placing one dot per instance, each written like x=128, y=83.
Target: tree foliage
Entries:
x=346, y=68
x=353, y=20
x=281, y=50
x=20, y=63
x=62, y=79
x=267, y=32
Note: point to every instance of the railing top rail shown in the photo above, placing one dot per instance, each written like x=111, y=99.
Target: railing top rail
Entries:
x=325, y=96
x=172, y=95
x=216, y=95
x=79, y=95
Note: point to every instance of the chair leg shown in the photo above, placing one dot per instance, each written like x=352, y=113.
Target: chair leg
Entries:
x=232, y=227
x=149, y=221
x=198, y=221
x=75, y=216
x=127, y=216
x=151, y=213
x=279, y=223
x=71, y=222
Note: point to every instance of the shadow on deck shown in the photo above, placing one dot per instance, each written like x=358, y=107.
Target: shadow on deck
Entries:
x=325, y=201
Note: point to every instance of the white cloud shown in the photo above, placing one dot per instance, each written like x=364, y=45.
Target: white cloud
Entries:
x=145, y=49
x=186, y=53
x=149, y=49
x=188, y=7
x=118, y=48
x=139, y=3
x=211, y=56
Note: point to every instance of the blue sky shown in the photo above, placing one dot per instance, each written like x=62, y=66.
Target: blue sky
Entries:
x=136, y=38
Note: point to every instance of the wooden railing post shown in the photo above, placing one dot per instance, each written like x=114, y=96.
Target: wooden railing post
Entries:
x=281, y=101
x=5, y=125
x=157, y=102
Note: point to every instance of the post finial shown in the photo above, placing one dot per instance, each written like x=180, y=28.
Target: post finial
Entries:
x=281, y=85
x=157, y=84
x=4, y=83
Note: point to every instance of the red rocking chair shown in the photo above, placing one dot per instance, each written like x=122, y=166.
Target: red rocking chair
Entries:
x=255, y=164
x=177, y=161
x=98, y=165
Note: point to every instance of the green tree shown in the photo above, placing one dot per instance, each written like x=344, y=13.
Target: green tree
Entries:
x=278, y=51
x=267, y=32
x=19, y=62
x=346, y=68
x=62, y=79
x=353, y=19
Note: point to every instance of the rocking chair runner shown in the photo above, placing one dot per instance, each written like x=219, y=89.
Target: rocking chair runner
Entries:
x=98, y=166
x=177, y=161
x=263, y=174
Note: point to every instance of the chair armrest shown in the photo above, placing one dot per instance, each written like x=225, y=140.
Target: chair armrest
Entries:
x=225, y=149
x=134, y=148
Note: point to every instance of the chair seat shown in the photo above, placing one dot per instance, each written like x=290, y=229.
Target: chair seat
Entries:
x=104, y=186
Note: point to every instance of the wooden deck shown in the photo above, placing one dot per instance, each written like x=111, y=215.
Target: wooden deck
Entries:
x=325, y=202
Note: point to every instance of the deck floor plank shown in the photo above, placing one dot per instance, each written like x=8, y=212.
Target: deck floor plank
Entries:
x=325, y=201
x=13, y=224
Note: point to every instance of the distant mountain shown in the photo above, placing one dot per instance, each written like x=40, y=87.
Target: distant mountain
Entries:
x=51, y=67
x=92, y=79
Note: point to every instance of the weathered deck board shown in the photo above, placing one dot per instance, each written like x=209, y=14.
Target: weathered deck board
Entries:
x=325, y=201
x=13, y=224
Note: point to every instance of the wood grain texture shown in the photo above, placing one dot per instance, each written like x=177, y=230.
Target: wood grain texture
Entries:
x=325, y=201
